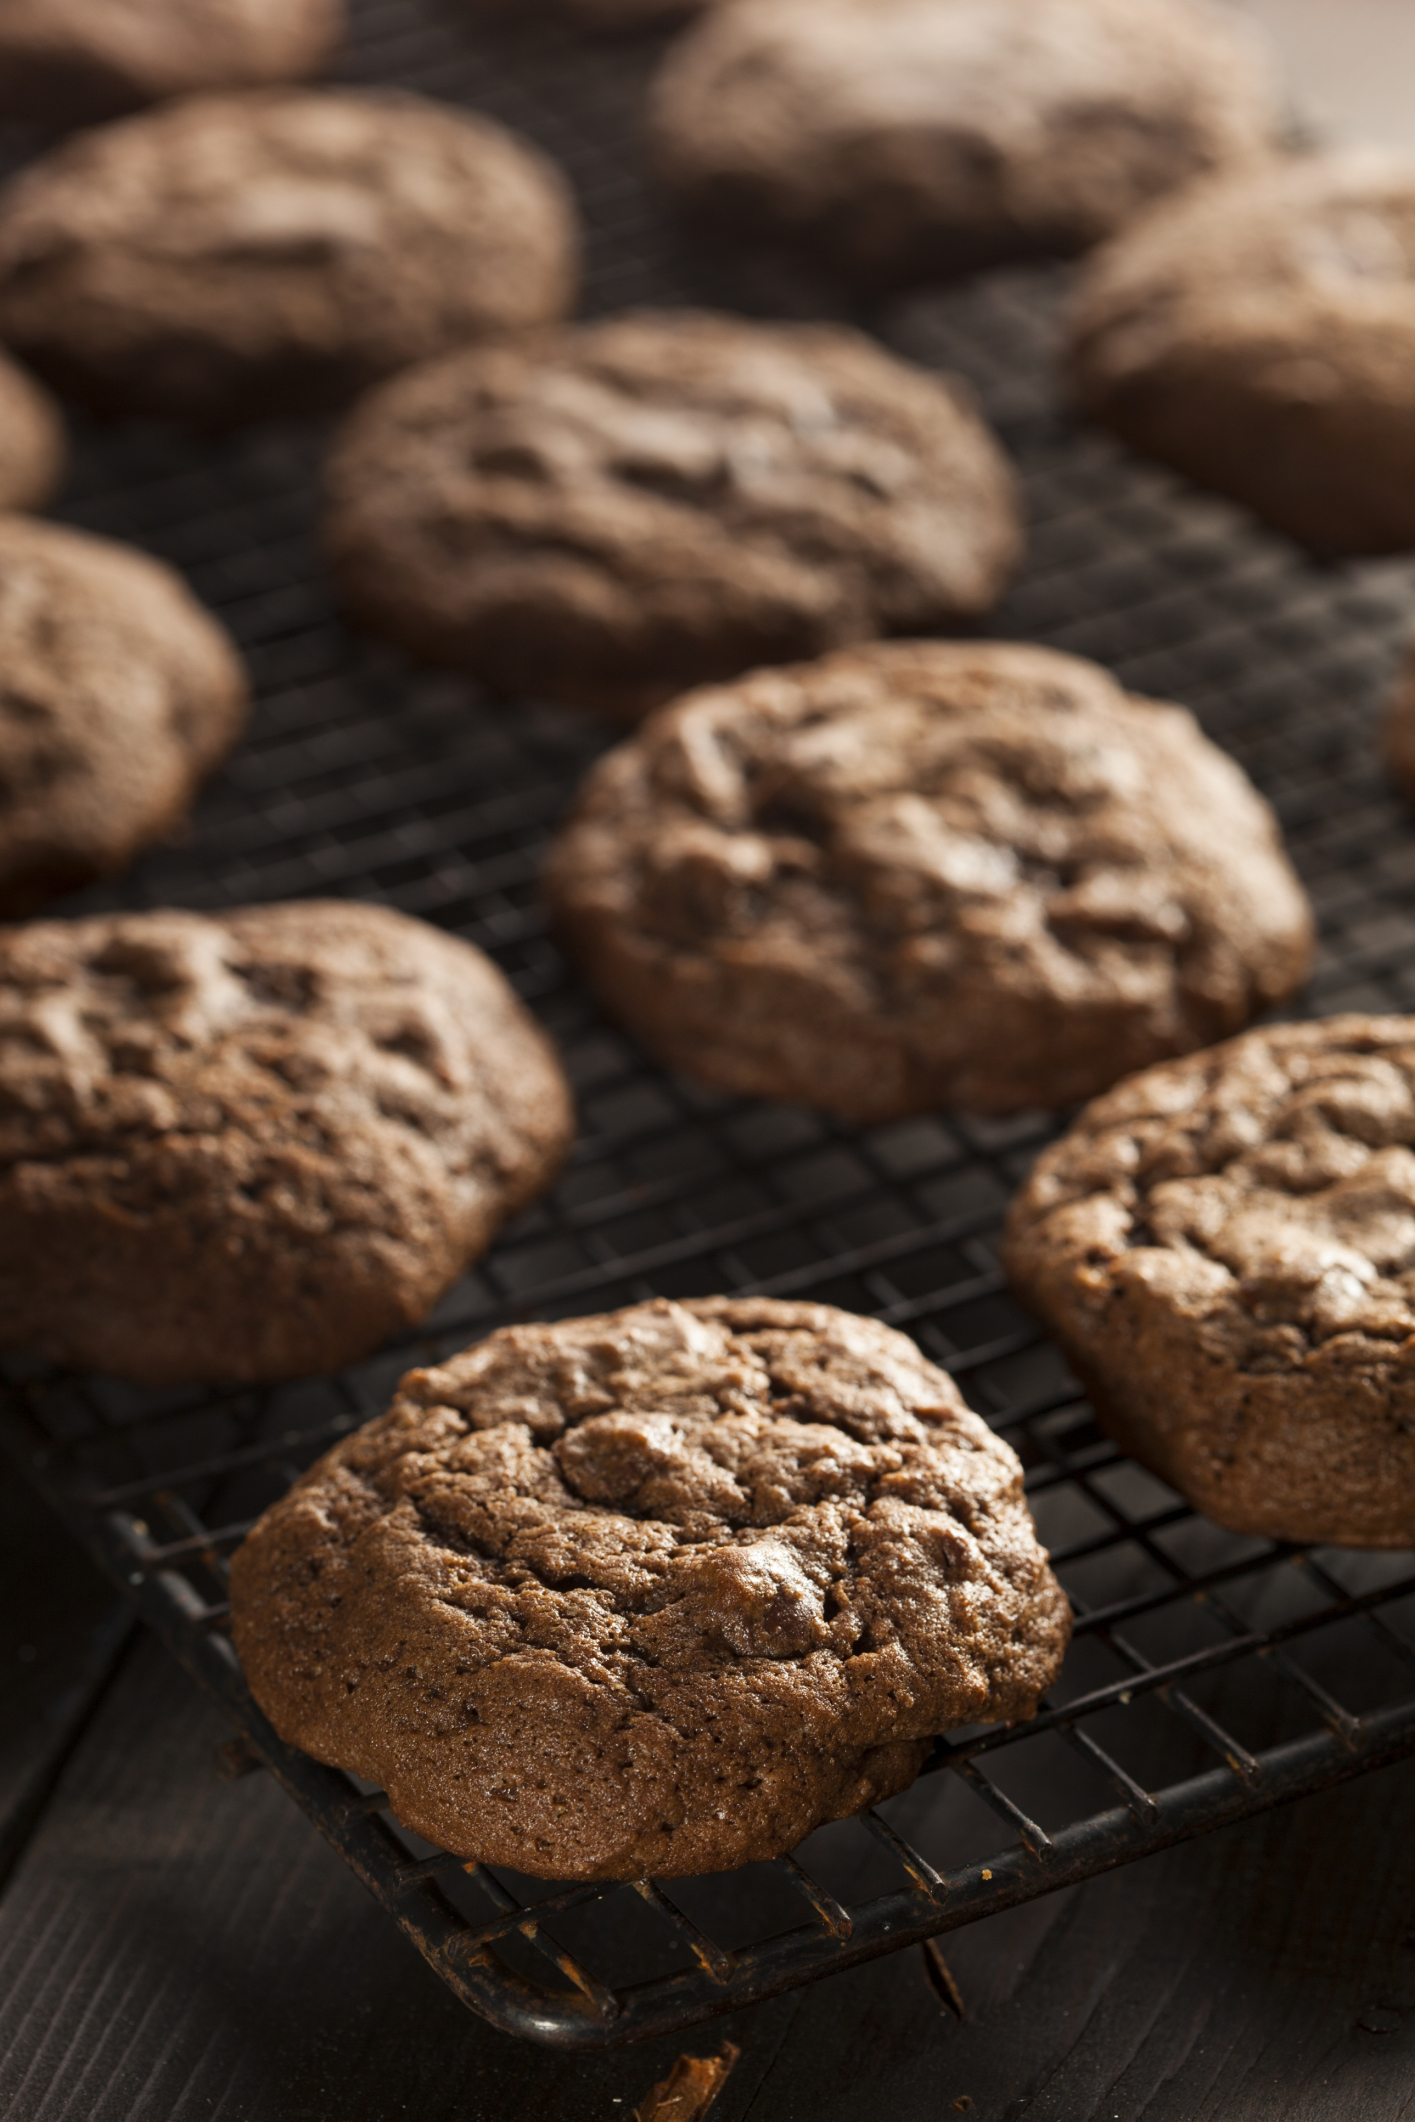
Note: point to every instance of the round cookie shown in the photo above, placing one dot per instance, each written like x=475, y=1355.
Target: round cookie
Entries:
x=918, y=875
x=119, y=695
x=67, y=62
x=1223, y=1248
x=228, y=256
x=668, y=497
x=652, y=1593
x=907, y=139
x=253, y=1145
x=1258, y=334
x=33, y=445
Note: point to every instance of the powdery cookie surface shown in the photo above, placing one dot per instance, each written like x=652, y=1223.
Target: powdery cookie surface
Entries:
x=230, y=255
x=33, y=445
x=902, y=139
x=1259, y=335
x=665, y=498
x=1224, y=1247
x=252, y=1146
x=118, y=694
x=69, y=61
x=916, y=875
x=657, y=1592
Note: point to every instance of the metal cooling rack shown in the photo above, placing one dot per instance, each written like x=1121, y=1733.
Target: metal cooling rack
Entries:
x=1211, y=1676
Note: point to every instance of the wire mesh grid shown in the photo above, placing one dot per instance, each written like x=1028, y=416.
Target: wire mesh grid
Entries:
x=1211, y=1676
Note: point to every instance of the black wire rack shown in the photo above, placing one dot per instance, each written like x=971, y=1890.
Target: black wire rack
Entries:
x=1211, y=1676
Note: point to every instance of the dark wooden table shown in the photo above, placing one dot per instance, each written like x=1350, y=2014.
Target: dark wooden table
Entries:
x=176, y=1948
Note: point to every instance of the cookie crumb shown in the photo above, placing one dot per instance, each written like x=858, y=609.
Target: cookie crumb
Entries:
x=690, y=2088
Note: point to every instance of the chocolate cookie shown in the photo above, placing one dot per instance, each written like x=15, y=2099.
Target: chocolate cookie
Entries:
x=664, y=498
x=916, y=875
x=118, y=694
x=252, y=1146
x=657, y=1592
x=68, y=61
x=32, y=441
x=1259, y=335
x=1223, y=1247
x=280, y=249
x=905, y=139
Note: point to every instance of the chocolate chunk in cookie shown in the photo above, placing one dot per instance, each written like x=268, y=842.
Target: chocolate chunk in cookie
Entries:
x=227, y=256
x=1225, y=1248
x=916, y=875
x=70, y=61
x=33, y=446
x=657, y=1592
x=905, y=139
x=253, y=1145
x=1259, y=335
x=664, y=498
x=118, y=694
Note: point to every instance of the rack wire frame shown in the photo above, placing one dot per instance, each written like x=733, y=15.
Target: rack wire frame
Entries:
x=1212, y=1677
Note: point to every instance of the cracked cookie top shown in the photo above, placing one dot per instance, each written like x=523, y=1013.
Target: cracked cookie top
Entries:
x=279, y=249
x=653, y=1592
x=668, y=497
x=118, y=694
x=917, y=875
x=252, y=1145
x=1226, y=1247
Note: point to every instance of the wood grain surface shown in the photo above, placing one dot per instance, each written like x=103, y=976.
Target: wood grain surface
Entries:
x=175, y=1947
x=62, y=1629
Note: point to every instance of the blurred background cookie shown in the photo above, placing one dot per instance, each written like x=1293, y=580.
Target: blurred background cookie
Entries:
x=118, y=693
x=1222, y=1247
x=1258, y=334
x=33, y=445
x=908, y=139
x=252, y=1145
x=664, y=498
x=916, y=875
x=226, y=256
x=70, y=61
